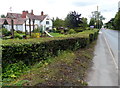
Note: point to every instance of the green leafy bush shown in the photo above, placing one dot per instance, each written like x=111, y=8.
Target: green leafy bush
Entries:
x=18, y=31
x=14, y=70
x=78, y=29
x=17, y=35
x=71, y=31
x=5, y=32
x=35, y=35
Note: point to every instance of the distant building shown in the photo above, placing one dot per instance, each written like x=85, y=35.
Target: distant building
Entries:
x=25, y=20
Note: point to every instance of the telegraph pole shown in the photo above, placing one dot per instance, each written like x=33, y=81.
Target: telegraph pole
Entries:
x=98, y=16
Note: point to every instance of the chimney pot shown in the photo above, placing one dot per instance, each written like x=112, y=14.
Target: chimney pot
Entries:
x=32, y=12
x=24, y=14
x=42, y=13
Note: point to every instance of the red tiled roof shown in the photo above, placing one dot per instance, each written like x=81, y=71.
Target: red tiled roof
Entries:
x=16, y=21
x=36, y=17
x=16, y=16
x=13, y=15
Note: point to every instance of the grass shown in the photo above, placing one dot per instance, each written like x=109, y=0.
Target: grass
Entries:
x=57, y=34
x=69, y=68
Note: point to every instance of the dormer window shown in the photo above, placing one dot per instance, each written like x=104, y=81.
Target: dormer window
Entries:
x=47, y=22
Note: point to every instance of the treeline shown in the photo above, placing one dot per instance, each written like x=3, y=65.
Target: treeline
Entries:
x=74, y=21
x=114, y=23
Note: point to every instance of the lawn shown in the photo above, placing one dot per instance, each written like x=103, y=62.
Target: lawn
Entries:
x=57, y=34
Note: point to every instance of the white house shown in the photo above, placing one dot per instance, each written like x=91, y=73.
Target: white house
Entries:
x=27, y=21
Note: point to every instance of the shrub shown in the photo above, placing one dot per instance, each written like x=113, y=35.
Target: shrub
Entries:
x=14, y=70
x=35, y=35
x=71, y=31
x=54, y=30
x=17, y=35
x=5, y=32
x=78, y=30
x=18, y=31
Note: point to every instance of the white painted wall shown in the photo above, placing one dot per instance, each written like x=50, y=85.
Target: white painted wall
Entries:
x=37, y=23
x=47, y=25
x=16, y=27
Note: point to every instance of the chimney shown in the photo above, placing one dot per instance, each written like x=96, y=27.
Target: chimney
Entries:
x=42, y=13
x=32, y=12
x=24, y=14
x=26, y=11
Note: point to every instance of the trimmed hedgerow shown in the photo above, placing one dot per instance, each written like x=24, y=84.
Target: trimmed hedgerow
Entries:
x=30, y=51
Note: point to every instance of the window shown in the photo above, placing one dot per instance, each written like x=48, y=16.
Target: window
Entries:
x=47, y=22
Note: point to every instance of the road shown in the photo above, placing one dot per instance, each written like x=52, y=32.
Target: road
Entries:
x=104, y=71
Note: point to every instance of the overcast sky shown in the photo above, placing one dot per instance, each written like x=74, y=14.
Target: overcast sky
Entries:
x=60, y=8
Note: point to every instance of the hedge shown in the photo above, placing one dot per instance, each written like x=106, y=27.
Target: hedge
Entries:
x=31, y=51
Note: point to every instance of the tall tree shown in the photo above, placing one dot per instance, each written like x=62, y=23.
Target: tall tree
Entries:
x=110, y=24
x=117, y=21
x=92, y=22
x=3, y=16
x=96, y=19
x=58, y=22
x=84, y=24
x=73, y=20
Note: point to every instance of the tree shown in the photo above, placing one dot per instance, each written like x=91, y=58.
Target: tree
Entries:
x=117, y=21
x=92, y=22
x=58, y=23
x=73, y=20
x=3, y=16
x=96, y=19
x=84, y=24
x=110, y=24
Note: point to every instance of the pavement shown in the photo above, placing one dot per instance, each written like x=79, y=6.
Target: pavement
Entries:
x=104, y=71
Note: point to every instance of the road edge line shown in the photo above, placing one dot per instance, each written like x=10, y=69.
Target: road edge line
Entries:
x=110, y=52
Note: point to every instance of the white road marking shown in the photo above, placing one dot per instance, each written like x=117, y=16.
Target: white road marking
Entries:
x=111, y=52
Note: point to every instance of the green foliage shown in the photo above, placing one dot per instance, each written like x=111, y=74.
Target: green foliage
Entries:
x=96, y=19
x=35, y=35
x=117, y=21
x=18, y=31
x=73, y=20
x=54, y=30
x=110, y=24
x=57, y=34
x=92, y=22
x=18, y=54
x=3, y=16
x=84, y=24
x=5, y=32
x=14, y=70
x=79, y=29
x=71, y=31
x=58, y=23
x=17, y=35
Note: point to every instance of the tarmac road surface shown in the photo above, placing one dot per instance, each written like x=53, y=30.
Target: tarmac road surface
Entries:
x=104, y=71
